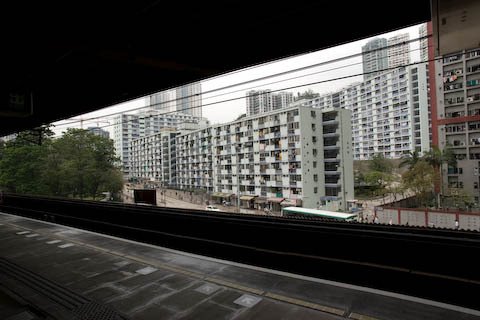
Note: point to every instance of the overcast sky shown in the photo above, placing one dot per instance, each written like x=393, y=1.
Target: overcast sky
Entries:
x=219, y=112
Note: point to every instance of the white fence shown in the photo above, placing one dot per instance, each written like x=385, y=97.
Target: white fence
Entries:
x=427, y=217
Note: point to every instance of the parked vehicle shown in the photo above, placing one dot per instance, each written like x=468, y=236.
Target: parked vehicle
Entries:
x=212, y=208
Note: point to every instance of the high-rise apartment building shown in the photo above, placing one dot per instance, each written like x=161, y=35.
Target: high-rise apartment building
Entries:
x=374, y=57
x=390, y=112
x=164, y=101
x=262, y=101
x=125, y=129
x=422, y=34
x=154, y=157
x=189, y=99
x=186, y=99
x=296, y=155
x=380, y=54
x=457, y=125
x=128, y=127
x=99, y=132
x=398, y=52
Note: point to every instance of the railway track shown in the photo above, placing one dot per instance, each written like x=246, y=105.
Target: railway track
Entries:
x=410, y=260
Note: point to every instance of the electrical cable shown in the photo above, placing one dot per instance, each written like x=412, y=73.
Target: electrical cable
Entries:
x=264, y=78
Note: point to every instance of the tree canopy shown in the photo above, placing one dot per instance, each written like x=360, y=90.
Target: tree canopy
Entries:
x=78, y=164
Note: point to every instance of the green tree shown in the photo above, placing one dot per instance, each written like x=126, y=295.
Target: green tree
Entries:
x=35, y=136
x=88, y=164
x=409, y=159
x=380, y=164
x=420, y=179
x=458, y=198
x=380, y=181
x=436, y=158
x=21, y=168
x=79, y=164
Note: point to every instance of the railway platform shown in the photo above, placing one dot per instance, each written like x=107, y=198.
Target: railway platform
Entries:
x=51, y=271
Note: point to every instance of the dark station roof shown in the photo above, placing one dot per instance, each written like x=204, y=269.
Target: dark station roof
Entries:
x=73, y=57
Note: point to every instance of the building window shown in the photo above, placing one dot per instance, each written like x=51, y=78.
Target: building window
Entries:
x=314, y=164
x=313, y=127
x=315, y=190
x=315, y=177
x=314, y=151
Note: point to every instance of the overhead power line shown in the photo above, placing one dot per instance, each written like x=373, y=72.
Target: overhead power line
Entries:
x=264, y=78
x=283, y=89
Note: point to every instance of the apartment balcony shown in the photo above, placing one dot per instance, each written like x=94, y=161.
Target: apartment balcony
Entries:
x=331, y=133
x=332, y=147
x=295, y=171
x=333, y=185
x=294, y=132
x=330, y=121
x=336, y=159
x=294, y=145
x=293, y=158
x=273, y=183
x=247, y=182
x=246, y=161
x=332, y=172
x=269, y=159
x=270, y=135
x=295, y=184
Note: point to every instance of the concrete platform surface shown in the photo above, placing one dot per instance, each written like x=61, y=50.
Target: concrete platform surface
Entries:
x=141, y=281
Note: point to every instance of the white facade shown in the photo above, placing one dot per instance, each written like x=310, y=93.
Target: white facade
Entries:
x=297, y=154
x=164, y=101
x=125, y=129
x=99, y=132
x=374, y=57
x=128, y=127
x=390, y=113
x=189, y=99
x=458, y=110
x=422, y=34
x=263, y=101
x=398, y=50
x=154, y=157
x=186, y=99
